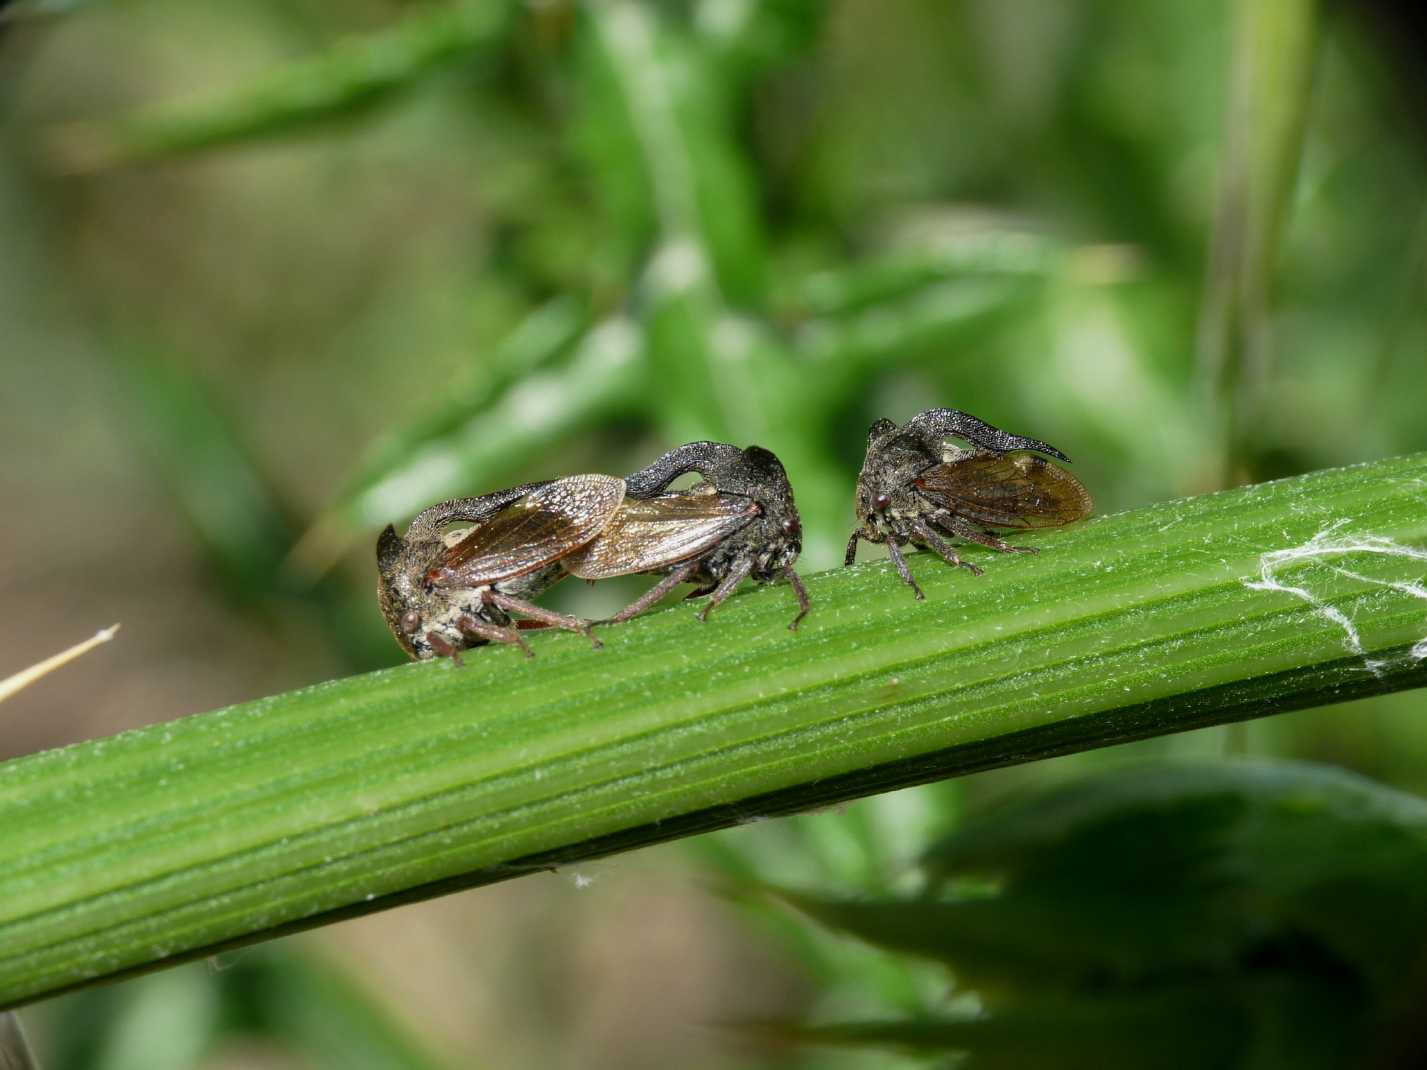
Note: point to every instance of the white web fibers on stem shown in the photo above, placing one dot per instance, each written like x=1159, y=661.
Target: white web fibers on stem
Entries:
x=1322, y=549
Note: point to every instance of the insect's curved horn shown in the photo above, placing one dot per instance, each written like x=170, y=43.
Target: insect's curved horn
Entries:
x=934, y=425
x=879, y=429
x=389, y=547
x=465, y=510
x=718, y=462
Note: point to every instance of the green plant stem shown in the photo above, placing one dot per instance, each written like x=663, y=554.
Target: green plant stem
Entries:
x=174, y=840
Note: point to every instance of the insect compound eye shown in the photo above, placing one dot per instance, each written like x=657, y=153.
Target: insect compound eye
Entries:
x=411, y=622
x=881, y=503
x=792, y=528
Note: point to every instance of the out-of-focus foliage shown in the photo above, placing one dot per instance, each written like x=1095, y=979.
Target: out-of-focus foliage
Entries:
x=258, y=998
x=1230, y=915
x=351, y=75
x=281, y=268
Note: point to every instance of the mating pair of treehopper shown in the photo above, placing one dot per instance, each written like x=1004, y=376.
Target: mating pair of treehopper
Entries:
x=443, y=590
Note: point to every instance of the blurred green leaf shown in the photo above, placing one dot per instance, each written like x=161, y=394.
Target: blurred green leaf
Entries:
x=1266, y=118
x=923, y=324
x=232, y=505
x=747, y=39
x=232, y=508
x=1273, y=1024
x=990, y=941
x=1189, y=1030
x=977, y=253
x=354, y=73
x=167, y=1024
x=1243, y=904
x=659, y=128
x=1203, y=861
x=546, y=335
x=477, y=444
x=605, y=138
x=279, y=995
x=322, y=1012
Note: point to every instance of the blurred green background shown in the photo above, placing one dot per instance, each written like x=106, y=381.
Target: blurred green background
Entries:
x=272, y=275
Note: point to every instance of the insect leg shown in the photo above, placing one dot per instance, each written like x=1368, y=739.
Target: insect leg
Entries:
x=545, y=616
x=932, y=426
x=804, y=604
x=895, y=552
x=479, y=629
x=924, y=532
x=443, y=649
x=964, y=528
x=656, y=593
x=851, y=555
x=735, y=576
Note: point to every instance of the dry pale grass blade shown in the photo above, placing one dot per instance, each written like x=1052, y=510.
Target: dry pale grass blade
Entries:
x=15, y=1053
x=25, y=677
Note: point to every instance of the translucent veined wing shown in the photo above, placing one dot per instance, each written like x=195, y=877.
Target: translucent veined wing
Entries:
x=543, y=526
x=1007, y=490
x=651, y=534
